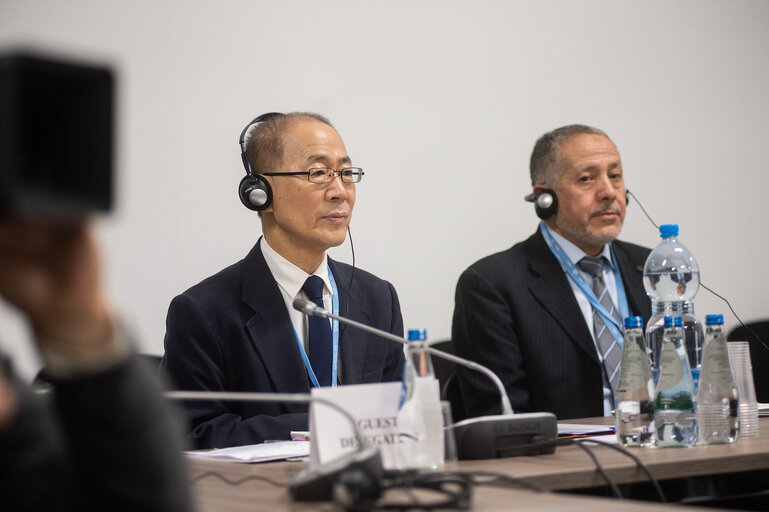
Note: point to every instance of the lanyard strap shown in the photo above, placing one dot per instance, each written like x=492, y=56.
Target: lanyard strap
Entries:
x=575, y=274
x=334, y=337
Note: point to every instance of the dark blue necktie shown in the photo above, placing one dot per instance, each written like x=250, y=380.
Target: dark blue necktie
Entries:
x=320, y=333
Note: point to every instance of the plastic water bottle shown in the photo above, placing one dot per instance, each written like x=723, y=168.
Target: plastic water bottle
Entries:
x=420, y=417
x=418, y=363
x=421, y=359
x=717, y=397
x=634, y=416
x=675, y=419
x=672, y=278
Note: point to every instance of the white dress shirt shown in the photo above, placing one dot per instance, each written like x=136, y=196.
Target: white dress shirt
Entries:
x=290, y=279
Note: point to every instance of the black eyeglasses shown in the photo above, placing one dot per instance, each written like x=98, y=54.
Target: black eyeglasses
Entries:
x=325, y=174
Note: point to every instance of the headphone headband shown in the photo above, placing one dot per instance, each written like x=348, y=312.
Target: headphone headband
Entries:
x=242, y=139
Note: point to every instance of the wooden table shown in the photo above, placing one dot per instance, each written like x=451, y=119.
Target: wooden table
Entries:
x=568, y=469
x=215, y=495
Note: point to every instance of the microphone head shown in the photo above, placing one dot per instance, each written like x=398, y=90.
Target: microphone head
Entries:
x=304, y=306
x=308, y=308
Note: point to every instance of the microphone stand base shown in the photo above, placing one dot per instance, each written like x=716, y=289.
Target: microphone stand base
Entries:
x=511, y=435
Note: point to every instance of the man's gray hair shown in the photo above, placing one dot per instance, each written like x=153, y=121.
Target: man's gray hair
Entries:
x=545, y=164
x=264, y=142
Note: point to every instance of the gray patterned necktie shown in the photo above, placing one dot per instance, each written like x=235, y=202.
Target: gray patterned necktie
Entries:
x=611, y=352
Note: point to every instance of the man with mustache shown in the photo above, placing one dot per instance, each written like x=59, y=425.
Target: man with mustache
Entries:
x=238, y=331
x=546, y=315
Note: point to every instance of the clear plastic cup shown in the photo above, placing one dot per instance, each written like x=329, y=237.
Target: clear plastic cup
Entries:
x=450, y=445
x=742, y=369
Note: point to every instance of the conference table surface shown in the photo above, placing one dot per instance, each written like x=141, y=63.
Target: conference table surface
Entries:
x=235, y=486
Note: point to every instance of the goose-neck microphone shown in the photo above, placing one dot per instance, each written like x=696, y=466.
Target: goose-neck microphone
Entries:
x=311, y=309
x=485, y=437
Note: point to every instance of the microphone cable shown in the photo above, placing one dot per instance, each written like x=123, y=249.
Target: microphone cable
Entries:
x=632, y=456
x=492, y=476
x=349, y=285
x=240, y=481
x=478, y=478
x=656, y=226
x=755, y=335
x=584, y=445
x=614, y=489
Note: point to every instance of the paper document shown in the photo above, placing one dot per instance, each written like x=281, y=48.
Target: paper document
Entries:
x=581, y=429
x=263, y=452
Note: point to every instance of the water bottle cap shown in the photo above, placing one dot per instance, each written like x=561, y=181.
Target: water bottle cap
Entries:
x=714, y=320
x=633, y=321
x=673, y=321
x=668, y=230
x=417, y=334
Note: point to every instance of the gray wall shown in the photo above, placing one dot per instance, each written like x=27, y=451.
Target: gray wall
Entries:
x=441, y=102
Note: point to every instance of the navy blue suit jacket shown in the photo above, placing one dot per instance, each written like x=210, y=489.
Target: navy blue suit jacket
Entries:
x=515, y=312
x=232, y=332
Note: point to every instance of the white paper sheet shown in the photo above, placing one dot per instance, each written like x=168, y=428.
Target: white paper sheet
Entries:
x=581, y=429
x=263, y=452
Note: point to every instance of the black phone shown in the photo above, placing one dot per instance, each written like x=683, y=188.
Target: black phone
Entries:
x=56, y=136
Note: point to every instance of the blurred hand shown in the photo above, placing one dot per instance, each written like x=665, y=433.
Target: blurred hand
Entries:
x=51, y=272
x=7, y=402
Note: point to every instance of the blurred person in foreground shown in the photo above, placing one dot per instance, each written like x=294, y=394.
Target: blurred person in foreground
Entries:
x=103, y=437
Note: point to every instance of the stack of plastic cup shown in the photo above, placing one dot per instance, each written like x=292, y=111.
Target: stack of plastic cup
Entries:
x=739, y=356
x=449, y=442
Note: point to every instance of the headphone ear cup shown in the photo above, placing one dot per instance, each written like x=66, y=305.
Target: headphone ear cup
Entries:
x=255, y=192
x=356, y=490
x=546, y=204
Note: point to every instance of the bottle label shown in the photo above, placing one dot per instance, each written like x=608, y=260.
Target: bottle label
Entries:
x=634, y=371
x=716, y=369
x=671, y=367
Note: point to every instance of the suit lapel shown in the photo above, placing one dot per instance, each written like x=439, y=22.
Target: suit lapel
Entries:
x=552, y=290
x=632, y=278
x=353, y=344
x=270, y=329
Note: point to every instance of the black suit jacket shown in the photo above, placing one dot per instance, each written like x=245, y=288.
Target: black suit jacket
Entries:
x=232, y=332
x=515, y=312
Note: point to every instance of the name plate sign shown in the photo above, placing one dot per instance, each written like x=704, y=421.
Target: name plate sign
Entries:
x=401, y=434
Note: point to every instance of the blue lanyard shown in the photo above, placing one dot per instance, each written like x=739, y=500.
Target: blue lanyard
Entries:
x=575, y=274
x=334, y=335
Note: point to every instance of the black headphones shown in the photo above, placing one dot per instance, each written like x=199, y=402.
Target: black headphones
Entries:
x=254, y=191
x=546, y=202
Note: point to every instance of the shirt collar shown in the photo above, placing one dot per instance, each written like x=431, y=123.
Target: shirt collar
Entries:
x=288, y=276
x=573, y=252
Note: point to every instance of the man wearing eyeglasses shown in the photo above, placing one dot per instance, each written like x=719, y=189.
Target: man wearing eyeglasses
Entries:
x=237, y=330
